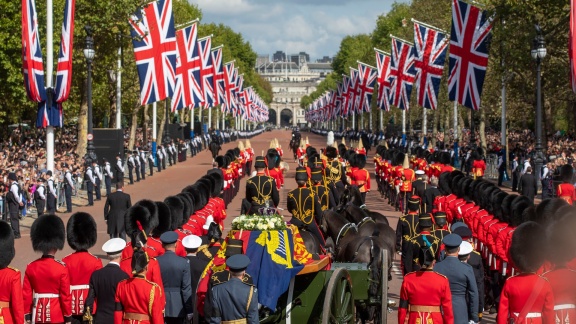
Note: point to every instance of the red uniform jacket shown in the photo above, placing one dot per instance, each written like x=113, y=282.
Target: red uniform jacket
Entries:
x=478, y=168
x=47, y=290
x=515, y=295
x=277, y=175
x=80, y=266
x=361, y=178
x=139, y=296
x=425, y=288
x=11, y=292
x=407, y=176
x=563, y=282
x=566, y=191
x=153, y=274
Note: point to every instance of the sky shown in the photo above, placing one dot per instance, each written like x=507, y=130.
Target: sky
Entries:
x=312, y=26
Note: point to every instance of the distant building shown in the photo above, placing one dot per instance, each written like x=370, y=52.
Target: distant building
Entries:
x=325, y=59
x=279, y=56
x=290, y=82
x=262, y=60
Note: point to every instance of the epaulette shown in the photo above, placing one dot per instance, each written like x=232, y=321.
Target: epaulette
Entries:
x=14, y=269
x=441, y=275
x=61, y=262
x=247, y=279
x=474, y=251
x=219, y=277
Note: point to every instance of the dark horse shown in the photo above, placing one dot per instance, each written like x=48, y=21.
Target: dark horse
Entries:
x=351, y=199
x=295, y=143
x=214, y=148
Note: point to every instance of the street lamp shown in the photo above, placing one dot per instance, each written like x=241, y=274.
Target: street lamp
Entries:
x=89, y=55
x=538, y=53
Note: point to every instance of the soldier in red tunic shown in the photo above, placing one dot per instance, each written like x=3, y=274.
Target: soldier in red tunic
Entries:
x=137, y=299
x=81, y=235
x=425, y=295
x=11, y=306
x=46, y=290
x=527, y=297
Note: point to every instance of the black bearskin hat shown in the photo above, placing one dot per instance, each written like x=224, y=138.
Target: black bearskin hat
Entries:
x=331, y=152
x=398, y=158
x=464, y=184
x=196, y=198
x=444, y=183
x=7, y=250
x=518, y=210
x=48, y=233
x=151, y=206
x=507, y=208
x=309, y=150
x=561, y=243
x=470, y=191
x=546, y=210
x=271, y=159
x=445, y=158
x=220, y=160
x=176, y=207
x=81, y=231
x=566, y=173
x=496, y=204
x=164, y=219
x=236, y=151
x=189, y=205
x=138, y=218
x=301, y=174
x=204, y=194
x=487, y=197
x=312, y=160
x=527, y=249
x=341, y=149
x=360, y=161
x=206, y=184
x=218, y=183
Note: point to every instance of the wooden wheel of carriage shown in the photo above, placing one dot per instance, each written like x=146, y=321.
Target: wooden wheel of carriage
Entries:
x=381, y=315
x=339, y=305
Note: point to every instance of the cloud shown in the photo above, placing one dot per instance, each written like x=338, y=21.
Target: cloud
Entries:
x=313, y=26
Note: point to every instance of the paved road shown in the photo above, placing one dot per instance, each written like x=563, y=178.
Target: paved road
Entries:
x=173, y=179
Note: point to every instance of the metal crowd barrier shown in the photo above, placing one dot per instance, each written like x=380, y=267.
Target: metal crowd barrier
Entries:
x=491, y=166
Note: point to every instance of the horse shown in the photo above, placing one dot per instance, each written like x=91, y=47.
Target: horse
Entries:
x=215, y=149
x=295, y=144
x=352, y=199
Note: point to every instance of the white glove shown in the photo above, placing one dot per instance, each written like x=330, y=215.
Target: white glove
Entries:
x=189, y=316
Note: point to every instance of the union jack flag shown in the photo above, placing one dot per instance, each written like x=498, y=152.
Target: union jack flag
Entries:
x=154, y=40
x=430, y=54
x=338, y=102
x=366, y=80
x=239, y=91
x=188, y=91
x=353, y=91
x=32, y=66
x=383, y=65
x=469, y=44
x=229, y=85
x=345, y=95
x=64, y=70
x=401, y=74
x=219, y=84
x=207, y=72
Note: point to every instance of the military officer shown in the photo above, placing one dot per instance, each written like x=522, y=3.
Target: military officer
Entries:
x=473, y=258
x=130, y=163
x=333, y=173
x=90, y=182
x=321, y=190
x=235, y=300
x=175, y=272
x=261, y=190
x=46, y=289
x=304, y=206
x=421, y=240
x=137, y=168
x=103, y=283
x=142, y=160
x=419, y=186
x=119, y=168
x=425, y=294
x=440, y=230
x=11, y=306
x=138, y=300
x=462, y=281
x=81, y=236
x=407, y=228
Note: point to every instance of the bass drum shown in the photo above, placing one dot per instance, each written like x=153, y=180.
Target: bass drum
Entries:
x=285, y=167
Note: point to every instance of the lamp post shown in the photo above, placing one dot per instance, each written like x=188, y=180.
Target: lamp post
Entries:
x=166, y=136
x=538, y=53
x=89, y=55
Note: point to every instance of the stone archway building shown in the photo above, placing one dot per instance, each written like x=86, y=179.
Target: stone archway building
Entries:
x=290, y=82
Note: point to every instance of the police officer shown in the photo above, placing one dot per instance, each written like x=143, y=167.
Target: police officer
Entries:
x=119, y=168
x=304, y=206
x=68, y=185
x=142, y=160
x=108, y=176
x=235, y=300
x=103, y=283
x=165, y=156
x=407, y=228
x=46, y=289
x=40, y=197
x=151, y=163
x=160, y=158
x=136, y=298
x=90, y=182
x=98, y=177
x=462, y=281
x=12, y=308
x=176, y=278
x=52, y=195
x=14, y=200
x=261, y=189
x=81, y=236
x=136, y=158
x=130, y=164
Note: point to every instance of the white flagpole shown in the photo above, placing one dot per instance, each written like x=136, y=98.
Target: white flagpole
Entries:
x=209, y=117
x=381, y=120
x=154, y=129
x=200, y=118
x=403, y=122
x=455, y=119
x=49, y=71
x=119, y=88
x=425, y=122
x=217, y=124
x=223, y=120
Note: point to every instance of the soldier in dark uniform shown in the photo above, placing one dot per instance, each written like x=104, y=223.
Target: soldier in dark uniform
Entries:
x=130, y=163
x=90, y=182
x=137, y=168
x=51, y=194
x=407, y=228
x=142, y=159
x=333, y=173
x=261, y=190
x=440, y=230
x=176, y=278
x=103, y=283
x=234, y=301
x=462, y=281
x=119, y=168
x=419, y=186
x=321, y=190
x=197, y=265
x=473, y=258
x=304, y=206
x=419, y=241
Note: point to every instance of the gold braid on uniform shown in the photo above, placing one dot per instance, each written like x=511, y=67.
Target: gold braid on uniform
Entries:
x=204, y=250
x=151, y=301
x=307, y=216
x=264, y=196
x=335, y=172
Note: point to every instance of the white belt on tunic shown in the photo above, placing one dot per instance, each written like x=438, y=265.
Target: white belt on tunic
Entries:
x=530, y=315
x=564, y=306
x=79, y=287
x=46, y=296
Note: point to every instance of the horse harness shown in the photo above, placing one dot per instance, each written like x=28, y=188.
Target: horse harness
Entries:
x=344, y=230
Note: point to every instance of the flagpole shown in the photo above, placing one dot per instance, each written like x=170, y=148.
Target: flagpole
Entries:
x=455, y=119
x=370, y=115
x=200, y=119
x=119, y=86
x=425, y=122
x=49, y=71
x=403, y=126
x=154, y=121
x=210, y=117
x=381, y=120
x=223, y=120
x=428, y=26
x=217, y=124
